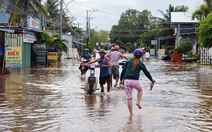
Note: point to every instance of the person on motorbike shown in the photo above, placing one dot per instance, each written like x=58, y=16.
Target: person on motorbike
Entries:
x=86, y=55
x=88, y=58
x=105, y=75
x=114, y=56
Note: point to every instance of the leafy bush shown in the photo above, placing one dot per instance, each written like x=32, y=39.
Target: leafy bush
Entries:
x=205, y=32
x=91, y=47
x=184, y=48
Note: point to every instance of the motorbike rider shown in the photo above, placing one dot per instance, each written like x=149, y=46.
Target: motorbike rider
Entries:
x=114, y=56
x=105, y=75
x=86, y=55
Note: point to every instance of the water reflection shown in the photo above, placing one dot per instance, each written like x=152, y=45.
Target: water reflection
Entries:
x=2, y=90
x=50, y=99
x=133, y=124
x=97, y=105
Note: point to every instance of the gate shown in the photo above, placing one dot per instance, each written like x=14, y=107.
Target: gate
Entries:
x=206, y=56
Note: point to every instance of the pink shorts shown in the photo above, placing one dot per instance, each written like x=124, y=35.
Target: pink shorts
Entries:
x=129, y=85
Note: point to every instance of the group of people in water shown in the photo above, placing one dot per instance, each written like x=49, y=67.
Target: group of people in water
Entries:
x=129, y=77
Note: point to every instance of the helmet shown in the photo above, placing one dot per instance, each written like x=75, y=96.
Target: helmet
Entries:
x=138, y=53
x=86, y=50
x=116, y=47
x=102, y=51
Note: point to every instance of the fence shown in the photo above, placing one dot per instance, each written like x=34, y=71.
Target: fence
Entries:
x=206, y=56
x=73, y=53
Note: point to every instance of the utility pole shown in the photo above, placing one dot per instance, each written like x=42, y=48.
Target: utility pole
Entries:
x=88, y=24
x=61, y=18
x=87, y=29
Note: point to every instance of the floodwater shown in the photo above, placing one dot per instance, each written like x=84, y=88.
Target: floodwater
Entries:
x=49, y=99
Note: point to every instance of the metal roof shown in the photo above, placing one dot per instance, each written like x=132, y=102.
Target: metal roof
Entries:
x=7, y=30
x=182, y=17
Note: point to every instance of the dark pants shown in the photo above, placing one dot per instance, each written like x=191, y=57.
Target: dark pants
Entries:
x=102, y=80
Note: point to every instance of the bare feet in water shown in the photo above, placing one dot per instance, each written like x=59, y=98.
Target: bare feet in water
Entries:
x=139, y=106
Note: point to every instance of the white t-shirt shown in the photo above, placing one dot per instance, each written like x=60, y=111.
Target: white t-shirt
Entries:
x=147, y=55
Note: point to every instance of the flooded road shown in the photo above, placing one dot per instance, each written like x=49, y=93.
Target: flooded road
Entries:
x=50, y=99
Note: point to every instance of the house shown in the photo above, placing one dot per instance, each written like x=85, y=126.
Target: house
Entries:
x=17, y=41
x=185, y=28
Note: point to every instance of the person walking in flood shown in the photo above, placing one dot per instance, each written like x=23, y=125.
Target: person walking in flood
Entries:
x=147, y=56
x=130, y=75
x=114, y=56
x=105, y=75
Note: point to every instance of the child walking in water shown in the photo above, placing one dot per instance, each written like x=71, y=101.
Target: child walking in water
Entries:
x=130, y=75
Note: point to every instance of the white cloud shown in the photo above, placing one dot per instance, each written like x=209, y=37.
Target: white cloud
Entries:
x=109, y=11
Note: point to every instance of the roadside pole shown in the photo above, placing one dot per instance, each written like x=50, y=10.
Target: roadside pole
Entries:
x=61, y=18
x=88, y=25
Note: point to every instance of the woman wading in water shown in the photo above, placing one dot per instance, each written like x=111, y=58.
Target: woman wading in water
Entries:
x=130, y=75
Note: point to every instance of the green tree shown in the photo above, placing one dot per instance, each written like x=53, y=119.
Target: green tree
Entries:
x=205, y=31
x=184, y=48
x=94, y=37
x=131, y=24
x=209, y=4
x=103, y=36
x=54, y=42
x=148, y=36
x=200, y=13
x=203, y=10
x=59, y=43
x=19, y=9
x=53, y=13
x=100, y=37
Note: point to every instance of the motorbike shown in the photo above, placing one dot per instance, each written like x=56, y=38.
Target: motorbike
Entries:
x=122, y=63
x=83, y=68
x=91, y=80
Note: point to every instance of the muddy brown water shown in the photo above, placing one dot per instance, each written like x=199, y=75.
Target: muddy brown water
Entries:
x=50, y=99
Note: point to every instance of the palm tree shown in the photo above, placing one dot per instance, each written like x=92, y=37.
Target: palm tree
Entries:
x=201, y=13
x=53, y=13
x=166, y=20
x=59, y=43
x=209, y=3
x=167, y=15
x=54, y=42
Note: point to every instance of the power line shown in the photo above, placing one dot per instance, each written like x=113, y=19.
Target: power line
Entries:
x=129, y=30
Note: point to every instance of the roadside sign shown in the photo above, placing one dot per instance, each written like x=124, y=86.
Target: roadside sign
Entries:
x=13, y=57
x=161, y=52
x=154, y=42
x=152, y=52
x=52, y=56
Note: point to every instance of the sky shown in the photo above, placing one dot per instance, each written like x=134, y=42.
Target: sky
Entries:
x=109, y=11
